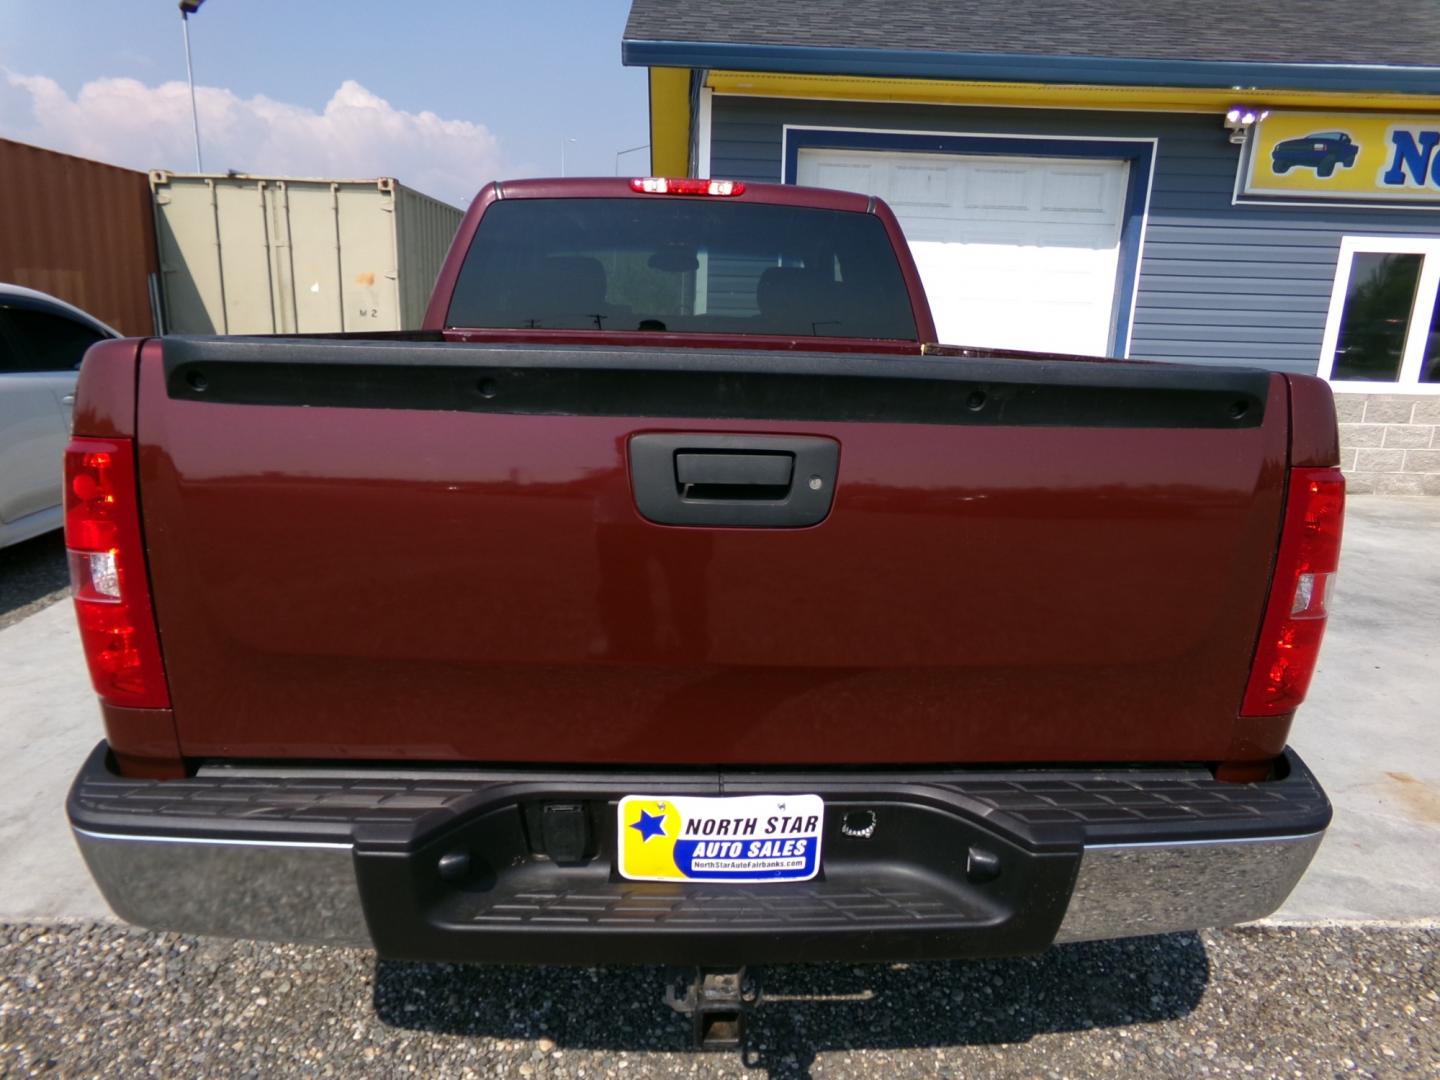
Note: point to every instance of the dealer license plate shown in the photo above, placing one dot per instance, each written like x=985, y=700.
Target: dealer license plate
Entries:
x=748, y=838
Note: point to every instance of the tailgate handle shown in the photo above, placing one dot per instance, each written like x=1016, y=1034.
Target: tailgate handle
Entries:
x=774, y=481
x=719, y=474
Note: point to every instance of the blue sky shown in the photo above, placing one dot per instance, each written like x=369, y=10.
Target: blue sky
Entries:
x=445, y=95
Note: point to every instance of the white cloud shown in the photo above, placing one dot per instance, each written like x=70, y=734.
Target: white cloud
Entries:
x=357, y=134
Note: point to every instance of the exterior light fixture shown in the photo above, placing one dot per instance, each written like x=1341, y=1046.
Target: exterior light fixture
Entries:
x=1241, y=118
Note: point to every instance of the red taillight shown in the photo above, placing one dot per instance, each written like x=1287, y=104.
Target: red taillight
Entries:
x=669, y=185
x=107, y=574
x=1299, y=593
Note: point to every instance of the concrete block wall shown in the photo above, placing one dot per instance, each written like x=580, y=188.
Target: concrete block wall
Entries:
x=1390, y=443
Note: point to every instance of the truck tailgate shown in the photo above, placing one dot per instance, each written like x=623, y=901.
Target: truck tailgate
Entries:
x=433, y=551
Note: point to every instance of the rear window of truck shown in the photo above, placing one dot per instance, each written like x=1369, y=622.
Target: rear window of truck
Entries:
x=682, y=265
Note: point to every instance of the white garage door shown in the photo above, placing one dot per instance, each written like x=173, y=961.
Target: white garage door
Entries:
x=1015, y=252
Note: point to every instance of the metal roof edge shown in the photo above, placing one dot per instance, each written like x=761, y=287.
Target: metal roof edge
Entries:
x=1241, y=75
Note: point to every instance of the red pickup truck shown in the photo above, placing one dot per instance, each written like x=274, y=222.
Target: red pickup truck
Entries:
x=674, y=598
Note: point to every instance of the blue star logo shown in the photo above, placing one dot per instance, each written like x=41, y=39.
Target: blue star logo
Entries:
x=649, y=825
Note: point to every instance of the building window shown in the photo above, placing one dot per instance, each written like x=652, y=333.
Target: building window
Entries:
x=1383, y=331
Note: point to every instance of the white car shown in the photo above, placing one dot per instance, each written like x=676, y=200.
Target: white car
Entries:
x=42, y=341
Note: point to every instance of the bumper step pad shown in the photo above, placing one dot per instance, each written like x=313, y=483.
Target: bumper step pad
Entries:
x=1047, y=805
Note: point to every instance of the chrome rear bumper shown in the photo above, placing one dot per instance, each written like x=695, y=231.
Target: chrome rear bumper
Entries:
x=308, y=892
x=1126, y=890
x=302, y=892
x=326, y=858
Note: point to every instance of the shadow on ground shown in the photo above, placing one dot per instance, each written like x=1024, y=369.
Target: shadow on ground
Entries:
x=807, y=1010
x=32, y=575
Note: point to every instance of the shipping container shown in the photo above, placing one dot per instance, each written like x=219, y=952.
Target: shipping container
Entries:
x=261, y=254
x=80, y=230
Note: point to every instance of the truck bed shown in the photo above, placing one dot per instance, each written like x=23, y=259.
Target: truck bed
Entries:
x=432, y=551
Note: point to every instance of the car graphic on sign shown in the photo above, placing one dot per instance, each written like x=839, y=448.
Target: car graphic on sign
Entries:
x=1321, y=151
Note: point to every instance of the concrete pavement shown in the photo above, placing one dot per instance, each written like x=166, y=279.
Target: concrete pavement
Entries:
x=48, y=723
x=33, y=575
x=1371, y=731
x=1371, y=725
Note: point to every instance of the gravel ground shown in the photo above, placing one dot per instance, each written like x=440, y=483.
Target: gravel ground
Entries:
x=92, y=1000
x=32, y=576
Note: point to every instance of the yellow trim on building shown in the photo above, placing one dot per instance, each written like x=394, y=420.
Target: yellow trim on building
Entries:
x=1041, y=95
x=669, y=121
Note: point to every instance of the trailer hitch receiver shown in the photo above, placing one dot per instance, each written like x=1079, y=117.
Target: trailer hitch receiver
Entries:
x=715, y=1000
